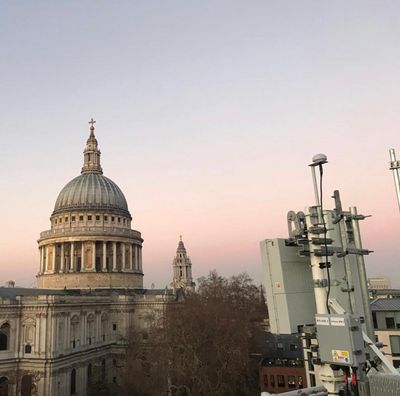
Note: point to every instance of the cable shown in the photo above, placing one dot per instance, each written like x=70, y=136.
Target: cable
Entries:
x=321, y=172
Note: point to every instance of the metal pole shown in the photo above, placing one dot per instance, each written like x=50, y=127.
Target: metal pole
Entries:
x=316, y=194
x=362, y=273
x=394, y=166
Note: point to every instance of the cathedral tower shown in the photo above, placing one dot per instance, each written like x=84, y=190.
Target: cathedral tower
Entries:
x=182, y=269
x=90, y=243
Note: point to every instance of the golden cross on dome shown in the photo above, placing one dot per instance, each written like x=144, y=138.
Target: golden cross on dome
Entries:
x=92, y=122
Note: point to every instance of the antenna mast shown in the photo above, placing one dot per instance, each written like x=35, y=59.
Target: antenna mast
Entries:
x=395, y=166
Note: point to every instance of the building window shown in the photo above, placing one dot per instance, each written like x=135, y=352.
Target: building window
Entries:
x=300, y=382
x=60, y=220
x=26, y=385
x=28, y=348
x=114, y=380
x=119, y=219
x=124, y=221
x=279, y=346
x=112, y=218
x=281, y=381
x=80, y=218
x=74, y=330
x=395, y=345
x=312, y=380
x=4, y=336
x=309, y=360
x=105, y=218
x=114, y=326
x=293, y=347
x=97, y=218
x=89, y=376
x=73, y=218
x=66, y=219
x=3, y=386
x=291, y=380
x=266, y=380
x=55, y=221
x=272, y=380
x=73, y=382
x=89, y=217
x=103, y=369
x=390, y=323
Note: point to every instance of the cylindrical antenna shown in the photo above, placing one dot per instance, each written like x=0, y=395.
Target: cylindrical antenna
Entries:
x=394, y=167
x=317, y=160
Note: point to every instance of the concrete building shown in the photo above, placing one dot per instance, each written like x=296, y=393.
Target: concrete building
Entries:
x=282, y=365
x=378, y=283
x=73, y=329
x=386, y=317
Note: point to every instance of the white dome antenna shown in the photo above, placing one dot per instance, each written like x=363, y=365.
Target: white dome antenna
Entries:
x=317, y=160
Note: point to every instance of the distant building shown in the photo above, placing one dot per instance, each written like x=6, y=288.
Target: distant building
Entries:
x=384, y=293
x=386, y=318
x=73, y=330
x=282, y=365
x=378, y=283
x=182, y=269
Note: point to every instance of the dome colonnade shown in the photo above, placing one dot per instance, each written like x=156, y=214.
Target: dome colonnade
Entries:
x=90, y=243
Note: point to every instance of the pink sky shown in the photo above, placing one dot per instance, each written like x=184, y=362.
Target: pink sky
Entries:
x=207, y=116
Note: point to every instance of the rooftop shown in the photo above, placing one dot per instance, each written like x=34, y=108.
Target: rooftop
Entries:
x=385, y=304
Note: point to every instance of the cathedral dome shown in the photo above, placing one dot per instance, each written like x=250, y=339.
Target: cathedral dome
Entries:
x=91, y=191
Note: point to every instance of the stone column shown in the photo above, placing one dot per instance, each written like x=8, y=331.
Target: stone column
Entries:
x=140, y=259
x=130, y=257
x=46, y=258
x=62, y=263
x=94, y=256
x=104, y=256
x=68, y=332
x=136, y=258
x=123, y=256
x=83, y=254
x=84, y=329
x=66, y=344
x=40, y=261
x=72, y=258
x=114, y=248
x=54, y=258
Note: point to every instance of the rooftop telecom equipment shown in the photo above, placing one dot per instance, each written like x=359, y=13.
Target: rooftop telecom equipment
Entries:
x=316, y=284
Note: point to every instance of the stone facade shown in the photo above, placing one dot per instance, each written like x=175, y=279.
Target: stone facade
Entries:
x=74, y=328
x=182, y=269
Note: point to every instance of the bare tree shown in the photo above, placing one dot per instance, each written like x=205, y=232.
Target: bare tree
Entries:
x=204, y=344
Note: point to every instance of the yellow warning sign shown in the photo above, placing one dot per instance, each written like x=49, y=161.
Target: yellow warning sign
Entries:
x=340, y=356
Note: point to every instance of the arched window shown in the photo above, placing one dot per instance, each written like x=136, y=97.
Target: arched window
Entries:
x=104, y=324
x=90, y=329
x=3, y=386
x=89, y=376
x=73, y=382
x=103, y=369
x=4, y=336
x=26, y=385
x=74, y=331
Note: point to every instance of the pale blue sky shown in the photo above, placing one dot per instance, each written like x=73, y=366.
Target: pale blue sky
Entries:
x=207, y=114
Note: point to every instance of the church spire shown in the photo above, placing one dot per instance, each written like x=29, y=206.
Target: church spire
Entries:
x=91, y=155
x=182, y=269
